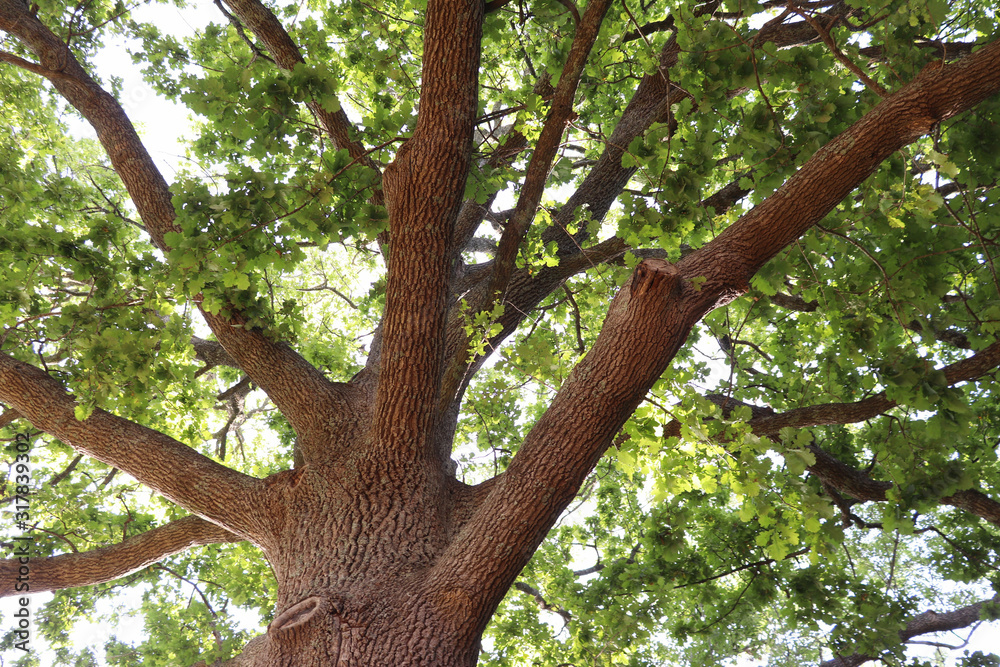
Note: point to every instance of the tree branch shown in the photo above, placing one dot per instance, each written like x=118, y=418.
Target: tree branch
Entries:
x=299, y=390
x=546, y=146
x=105, y=564
x=540, y=600
x=128, y=156
x=424, y=188
x=652, y=315
x=859, y=485
x=844, y=478
x=922, y=624
x=195, y=482
x=9, y=417
x=268, y=29
x=849, y=413
x=274, y=367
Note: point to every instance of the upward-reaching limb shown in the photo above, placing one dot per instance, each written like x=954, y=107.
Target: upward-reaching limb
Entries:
x=424, y=187
x=652, y=314
x=291, y=382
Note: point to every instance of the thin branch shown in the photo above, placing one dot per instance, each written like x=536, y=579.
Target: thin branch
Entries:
x=922, y=624
x=838, y=54
x=546, y=147
x=540, y=599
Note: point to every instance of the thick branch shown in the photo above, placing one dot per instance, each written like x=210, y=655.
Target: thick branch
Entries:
x=654, y=311
x=424, y=187
x=212, y=353
x=8, y=417
x=113, y=562
x=300, y=391
x=860, y=486
x=195, y=482
x=922, y=624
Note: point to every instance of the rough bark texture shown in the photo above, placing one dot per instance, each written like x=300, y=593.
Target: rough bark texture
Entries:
x=381, y=556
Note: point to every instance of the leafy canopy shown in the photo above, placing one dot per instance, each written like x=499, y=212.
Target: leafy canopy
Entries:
x=695, y=541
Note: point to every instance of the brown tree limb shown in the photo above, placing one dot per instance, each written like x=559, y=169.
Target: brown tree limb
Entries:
x=131, y=161
x=211, y=353
x=299, y=390
x=860, y=486
x=793, y=302
x=9, y=417
x=945, y=50
x=546, y=147
x=99, y=566
x=842, y=477
x=922, y=624
x=193, y=481
x=849, y=413
x=274, y=367
x=652, y=315
x=424, y=189
x=527, y=589
x=67, y=471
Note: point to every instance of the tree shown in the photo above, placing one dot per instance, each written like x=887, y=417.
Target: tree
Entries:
x=803, y=191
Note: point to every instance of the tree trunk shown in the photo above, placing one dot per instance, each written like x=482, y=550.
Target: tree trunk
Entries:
x=357, y=576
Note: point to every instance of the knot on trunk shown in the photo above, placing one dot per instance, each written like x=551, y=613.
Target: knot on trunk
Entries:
x=298, y=614
x=655, y=275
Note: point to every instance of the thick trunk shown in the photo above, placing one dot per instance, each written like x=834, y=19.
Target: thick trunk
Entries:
x=388, y=634
x=357, y=582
